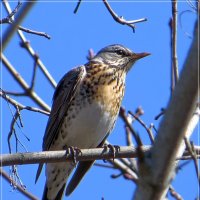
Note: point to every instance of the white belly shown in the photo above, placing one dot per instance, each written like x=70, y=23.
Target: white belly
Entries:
x=89, y=127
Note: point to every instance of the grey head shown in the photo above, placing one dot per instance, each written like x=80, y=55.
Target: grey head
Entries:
x=117, y=55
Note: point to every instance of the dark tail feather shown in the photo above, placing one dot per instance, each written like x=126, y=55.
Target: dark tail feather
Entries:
x=38, y=172
x=44, y=197
x=82, y=168
x=59, y=195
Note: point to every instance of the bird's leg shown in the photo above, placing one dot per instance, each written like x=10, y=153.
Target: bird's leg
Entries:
x=75, y=151
x=113, y=148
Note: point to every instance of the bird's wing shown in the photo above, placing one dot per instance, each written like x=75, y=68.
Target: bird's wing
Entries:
x=81, y=170
x=64, y=93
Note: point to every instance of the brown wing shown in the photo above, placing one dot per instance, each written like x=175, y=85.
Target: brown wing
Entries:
x=64, y=93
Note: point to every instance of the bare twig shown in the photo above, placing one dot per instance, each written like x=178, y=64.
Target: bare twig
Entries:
x=127, y=171
x=18, y=187
x=12, y=131
x=162, y=112
x=121, y=20
x=31, y=51
x=11, y=29
x=190, y=148
x=19, y=105
x=17, y=116
x=174, y=42
x=34, y=32
x=8, y=19
x=77, y=6
x=144, y=125
x=175, y=194
x=122, y=114
x=34, y=72
x=23, y=84
x=129, y=140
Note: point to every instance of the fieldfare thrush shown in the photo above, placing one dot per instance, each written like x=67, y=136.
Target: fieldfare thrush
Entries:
x=85, y=107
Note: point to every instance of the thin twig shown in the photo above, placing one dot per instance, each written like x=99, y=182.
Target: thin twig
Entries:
x=34, y=72
x=162, y=112
x=31, y=51
x=190, y=148
x=8, y=19
x=11, y=29
x=34, y=32
x=174, y=41
x=23, y=84
x=174, y=193
x=19, y=105
x=151, y=137
x=77, y=6
x=121, y=20
x=18, y=187
x=136, y=136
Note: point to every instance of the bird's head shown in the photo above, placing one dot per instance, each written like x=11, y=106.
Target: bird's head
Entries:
x=118, y=56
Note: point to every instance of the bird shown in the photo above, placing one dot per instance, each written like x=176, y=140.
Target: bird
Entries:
x=85, y=107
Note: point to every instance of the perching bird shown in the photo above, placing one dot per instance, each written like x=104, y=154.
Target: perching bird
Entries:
x=85, y=107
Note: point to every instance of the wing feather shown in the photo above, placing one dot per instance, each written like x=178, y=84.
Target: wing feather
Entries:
x=63, y=95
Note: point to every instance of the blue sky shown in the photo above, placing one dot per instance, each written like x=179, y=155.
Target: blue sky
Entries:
x=148, y=83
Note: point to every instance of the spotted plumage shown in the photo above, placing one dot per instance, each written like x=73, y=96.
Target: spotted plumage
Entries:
x=85, y=107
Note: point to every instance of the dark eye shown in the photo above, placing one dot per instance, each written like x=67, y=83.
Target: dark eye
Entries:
x=120, y=52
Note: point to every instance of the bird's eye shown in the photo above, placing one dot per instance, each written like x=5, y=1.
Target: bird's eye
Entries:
x=120, y=52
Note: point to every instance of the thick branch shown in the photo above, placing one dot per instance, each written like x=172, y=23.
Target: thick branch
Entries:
x=178, y=121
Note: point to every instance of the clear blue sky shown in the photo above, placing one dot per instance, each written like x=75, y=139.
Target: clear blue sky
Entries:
x=148, y=83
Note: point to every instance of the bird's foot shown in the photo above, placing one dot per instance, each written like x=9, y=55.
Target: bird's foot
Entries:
x=113, y=148
x=75, y=151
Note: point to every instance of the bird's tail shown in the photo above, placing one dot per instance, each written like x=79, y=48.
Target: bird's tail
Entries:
x=59, y=196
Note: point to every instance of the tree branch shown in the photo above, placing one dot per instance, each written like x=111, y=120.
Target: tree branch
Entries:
x=121, y=20
x=31, y=51
x=23, y=84
x=85, y=155
x=60, y=156
x=174, y=40
x=11, y=29
x=179, y=121
x=18, y=187
x=10, y=15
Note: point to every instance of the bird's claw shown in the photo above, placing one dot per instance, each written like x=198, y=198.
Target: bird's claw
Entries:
x=75, y=151
x=113, y=148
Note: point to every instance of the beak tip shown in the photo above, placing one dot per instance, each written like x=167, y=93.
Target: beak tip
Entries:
x=141, y=55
